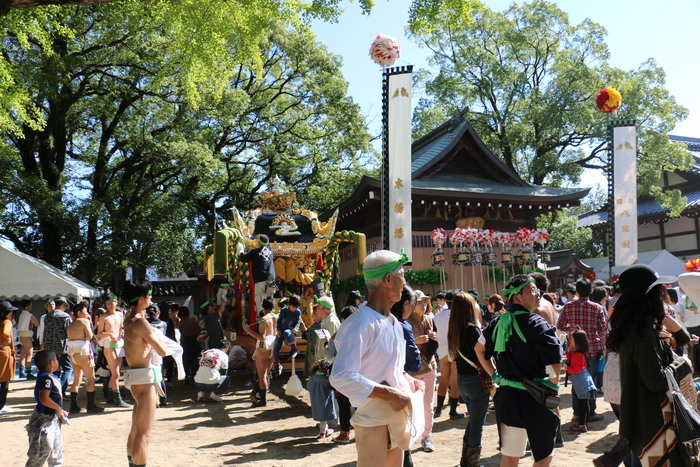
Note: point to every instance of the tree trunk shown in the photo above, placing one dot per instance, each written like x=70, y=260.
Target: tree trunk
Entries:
x=51, y=242
x=91, y=250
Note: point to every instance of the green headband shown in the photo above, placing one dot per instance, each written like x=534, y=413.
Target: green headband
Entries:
x=134, y=300
x=325, y=304
x=50, y=300
x=262, y=242
x=514, y=290
x=226, y=284
x=204, y=305
x=380, y=271
x=358, y=293
x=112, y=300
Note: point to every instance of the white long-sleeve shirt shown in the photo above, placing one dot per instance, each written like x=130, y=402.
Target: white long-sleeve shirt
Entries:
x=442, y=321
x=371, y=351
x=40, y=331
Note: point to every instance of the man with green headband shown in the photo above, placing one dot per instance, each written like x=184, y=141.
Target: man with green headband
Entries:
x=522, y=344
x=368, y=367
x=143, y=376
x=329, y=321
x=262, y=269
x=110, y=337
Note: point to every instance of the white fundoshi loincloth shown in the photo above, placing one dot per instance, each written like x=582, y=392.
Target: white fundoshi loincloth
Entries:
x=137, y=376
x=107, y=343
x=78, y=347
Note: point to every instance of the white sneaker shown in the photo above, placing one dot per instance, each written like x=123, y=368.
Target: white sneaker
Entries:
x=5, y=410
x=215, y=397
x=200, y=396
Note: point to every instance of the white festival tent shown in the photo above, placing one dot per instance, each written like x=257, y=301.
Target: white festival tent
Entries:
x=25, y=277
x=663, y=262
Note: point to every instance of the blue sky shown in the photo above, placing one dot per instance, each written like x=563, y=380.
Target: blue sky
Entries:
x=637, y=30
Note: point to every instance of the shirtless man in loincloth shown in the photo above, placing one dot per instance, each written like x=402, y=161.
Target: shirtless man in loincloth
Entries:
x=110, y=335
x=79, y=335
x=267, y=331
x=142, y=378
x=25, y=322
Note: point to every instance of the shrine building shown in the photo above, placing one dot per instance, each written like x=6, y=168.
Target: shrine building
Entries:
x=456, y=182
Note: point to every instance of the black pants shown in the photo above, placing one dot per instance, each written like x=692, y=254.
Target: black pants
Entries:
x=4, y=387
x=191, y=350
x=344, y=411
x=693, y=350
x=168, y=368
x=582, y=407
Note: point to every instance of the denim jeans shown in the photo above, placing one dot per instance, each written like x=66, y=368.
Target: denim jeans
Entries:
x=218, y=389
x=635, y=462
x=288, y=336
x=477, y=401
x=593, y=363
x=65, y=372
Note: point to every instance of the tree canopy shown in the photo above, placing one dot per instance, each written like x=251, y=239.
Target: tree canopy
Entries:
x=529, y=78
x=119, y=168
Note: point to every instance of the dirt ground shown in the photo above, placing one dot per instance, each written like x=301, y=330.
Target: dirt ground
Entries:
x=282, y=434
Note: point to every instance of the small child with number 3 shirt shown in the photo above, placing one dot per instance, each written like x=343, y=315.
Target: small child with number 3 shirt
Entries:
x=44, y=427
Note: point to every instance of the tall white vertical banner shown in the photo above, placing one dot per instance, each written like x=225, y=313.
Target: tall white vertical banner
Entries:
x=399, y=134
x=625, y=194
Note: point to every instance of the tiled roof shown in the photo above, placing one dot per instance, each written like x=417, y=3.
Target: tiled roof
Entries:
x=645, y=208
x=649, y=207
x=478, y=186
x=429, y=147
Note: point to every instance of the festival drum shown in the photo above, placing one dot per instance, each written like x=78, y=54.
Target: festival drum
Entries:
x=507, y=258
x=477, y=257
x=464, y=257
x=526, y=256
x=438, y=257
x=491, y=257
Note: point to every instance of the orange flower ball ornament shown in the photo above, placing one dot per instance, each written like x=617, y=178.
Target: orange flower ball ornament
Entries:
x=608, y=100
x=693, y=265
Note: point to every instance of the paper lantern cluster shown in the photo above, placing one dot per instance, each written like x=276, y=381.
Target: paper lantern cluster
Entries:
x=475, y=246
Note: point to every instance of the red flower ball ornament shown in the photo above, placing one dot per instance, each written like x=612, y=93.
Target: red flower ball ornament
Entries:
x=608, y=100
x=384, y=50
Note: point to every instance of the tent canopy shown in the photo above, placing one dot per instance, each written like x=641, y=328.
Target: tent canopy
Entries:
x=25, y=277
x=663, y=262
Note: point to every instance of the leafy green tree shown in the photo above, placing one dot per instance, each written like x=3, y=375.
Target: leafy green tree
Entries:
x=564, y=234
x=529, y=78
x=294, y=122
x=127, y=173
x=208, y=39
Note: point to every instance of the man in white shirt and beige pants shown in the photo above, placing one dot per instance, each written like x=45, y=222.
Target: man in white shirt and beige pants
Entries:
x=368, y=367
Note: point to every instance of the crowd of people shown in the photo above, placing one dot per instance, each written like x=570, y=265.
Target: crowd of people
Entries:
x=618, y=340
x=374, y=363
